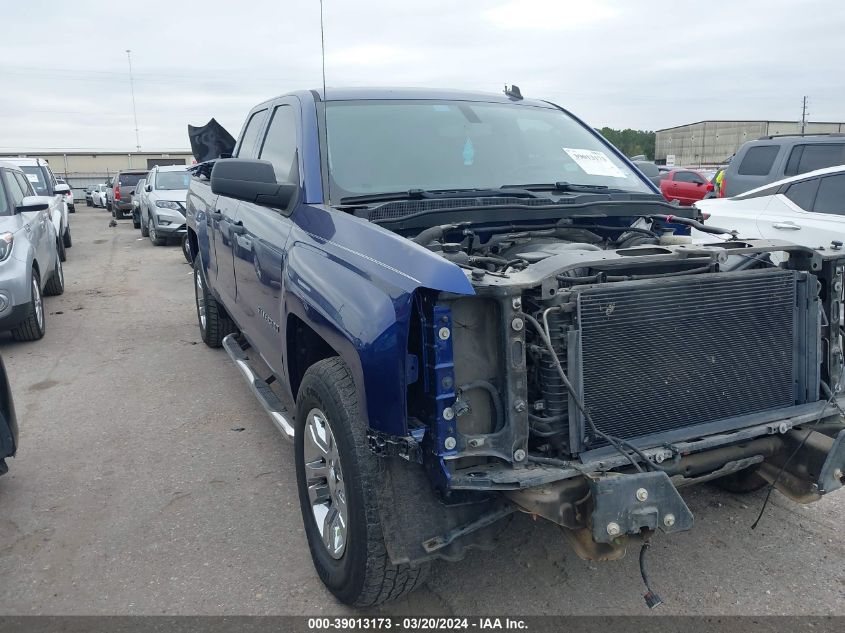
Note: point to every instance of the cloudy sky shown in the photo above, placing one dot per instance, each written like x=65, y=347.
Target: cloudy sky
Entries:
x=624, y=63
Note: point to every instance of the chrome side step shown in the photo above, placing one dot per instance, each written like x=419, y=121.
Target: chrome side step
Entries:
x=268, y=399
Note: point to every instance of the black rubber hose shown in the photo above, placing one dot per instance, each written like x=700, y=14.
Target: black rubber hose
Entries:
x=704, y=228
x=494, y=397
x=430, y=234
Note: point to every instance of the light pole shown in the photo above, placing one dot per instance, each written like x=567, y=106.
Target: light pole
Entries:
x=134, y=110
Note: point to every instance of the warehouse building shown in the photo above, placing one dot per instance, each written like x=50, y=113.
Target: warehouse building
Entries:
x=83, y=169
x=711, y=143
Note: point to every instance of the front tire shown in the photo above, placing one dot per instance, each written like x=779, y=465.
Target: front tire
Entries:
x=337, y=476
x=66, y=239
x=215, y=324
x=145, y=229
x=154, y=238
x=33, y=327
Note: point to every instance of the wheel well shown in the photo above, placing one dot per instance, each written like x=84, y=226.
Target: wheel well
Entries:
x=192, y=240
x=304, y=348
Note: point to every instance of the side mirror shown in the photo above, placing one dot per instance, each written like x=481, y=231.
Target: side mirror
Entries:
x=251, y=181
x=62, y=189
x=710, y=186
x=148, y=188
x=33, y=203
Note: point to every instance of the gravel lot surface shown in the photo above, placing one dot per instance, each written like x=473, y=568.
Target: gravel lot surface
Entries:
x=133, y=492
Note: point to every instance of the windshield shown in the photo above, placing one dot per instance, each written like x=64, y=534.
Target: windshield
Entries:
x=172, y=180
x=35, y=175
x=391, y=146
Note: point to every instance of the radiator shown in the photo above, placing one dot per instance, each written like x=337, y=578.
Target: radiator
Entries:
x=665, y=358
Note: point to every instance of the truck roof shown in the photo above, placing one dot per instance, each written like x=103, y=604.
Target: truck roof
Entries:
x=377, y=93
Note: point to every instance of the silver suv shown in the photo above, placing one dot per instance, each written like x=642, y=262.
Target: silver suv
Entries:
x=162, y=204
x=30, y=266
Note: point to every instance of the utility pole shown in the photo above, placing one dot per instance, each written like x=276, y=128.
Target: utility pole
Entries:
x=134, y=110
x=804, y=114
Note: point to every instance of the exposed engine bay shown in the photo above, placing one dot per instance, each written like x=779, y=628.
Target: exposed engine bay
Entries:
x=603, y=364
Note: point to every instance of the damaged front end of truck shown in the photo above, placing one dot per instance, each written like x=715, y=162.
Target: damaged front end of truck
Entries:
x=601, y=365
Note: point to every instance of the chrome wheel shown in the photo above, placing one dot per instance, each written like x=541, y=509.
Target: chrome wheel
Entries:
x=152, y=231
x=324, y=479
x=200, y=292
x=37, y=303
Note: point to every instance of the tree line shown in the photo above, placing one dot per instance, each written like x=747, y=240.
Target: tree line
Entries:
x=631, y=142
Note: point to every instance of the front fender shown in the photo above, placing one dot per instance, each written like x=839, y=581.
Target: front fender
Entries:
x=353, y=283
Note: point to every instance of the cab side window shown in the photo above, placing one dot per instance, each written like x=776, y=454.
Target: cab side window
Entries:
x=246, y=147
x=280, y=145
x=4, y=202
x=17, y=190
x=830, y=197
x=24, y=183
x=803, y=193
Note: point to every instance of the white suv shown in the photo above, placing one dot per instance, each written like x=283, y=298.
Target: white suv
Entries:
x=44, y=183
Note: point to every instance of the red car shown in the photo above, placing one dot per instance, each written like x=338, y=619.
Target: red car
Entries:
x=684, y=185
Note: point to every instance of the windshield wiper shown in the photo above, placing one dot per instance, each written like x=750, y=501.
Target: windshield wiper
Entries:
x=439, y=194
x=569, y=186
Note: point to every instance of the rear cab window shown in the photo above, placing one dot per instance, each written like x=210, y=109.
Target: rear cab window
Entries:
x=758, y=160
x=129, y=180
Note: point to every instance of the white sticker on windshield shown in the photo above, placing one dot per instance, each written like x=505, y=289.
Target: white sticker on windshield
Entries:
x=594, y=163
x=32, y=177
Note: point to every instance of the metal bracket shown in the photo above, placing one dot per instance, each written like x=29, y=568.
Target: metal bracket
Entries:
x=625, y=504
x=832, y=474
x=385, y=445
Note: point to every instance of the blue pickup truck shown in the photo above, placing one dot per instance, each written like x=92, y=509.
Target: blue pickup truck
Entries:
x=460, y=305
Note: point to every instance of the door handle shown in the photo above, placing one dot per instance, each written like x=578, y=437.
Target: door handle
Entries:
x=789, y=226
x=216, y=215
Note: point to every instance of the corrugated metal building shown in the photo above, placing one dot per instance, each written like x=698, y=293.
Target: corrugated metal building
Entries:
x=710, y=143
x=83, y=169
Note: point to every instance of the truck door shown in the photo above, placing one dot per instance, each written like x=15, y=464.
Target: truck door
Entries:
x=225, y=223
x=223, y=217
x=259, y=245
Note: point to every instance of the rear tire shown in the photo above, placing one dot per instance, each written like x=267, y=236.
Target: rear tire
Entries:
x=60, y=247
x=56, y=284
x=743, y=482
x=71, y=209
x=215, y=324
x=355, y=567
x=33, y=326
x=66, y=239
